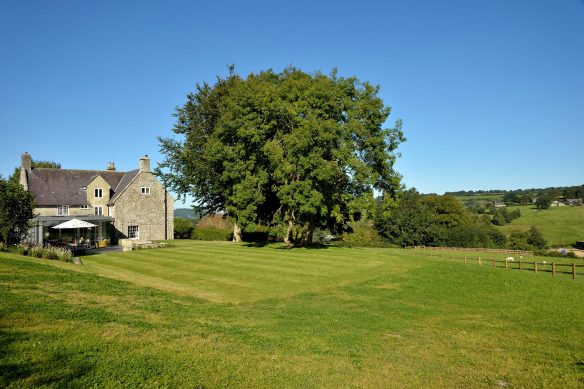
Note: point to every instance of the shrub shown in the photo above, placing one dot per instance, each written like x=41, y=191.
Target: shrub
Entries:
x=536, y=239
x=211, y=234
x=554, y=253
x=36, y=251
x=363, y=234
x=518, y=241
x=183, y=228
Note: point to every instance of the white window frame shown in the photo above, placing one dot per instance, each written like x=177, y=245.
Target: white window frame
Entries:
x=85, y=206
x=98, y=193
x=63, y=210
x=145, y=190
x=98, y=210
x=133, y=232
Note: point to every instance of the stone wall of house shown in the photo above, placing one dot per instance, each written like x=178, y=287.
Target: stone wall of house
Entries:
x=134, y=208
x=98, y=183
x=74, y=210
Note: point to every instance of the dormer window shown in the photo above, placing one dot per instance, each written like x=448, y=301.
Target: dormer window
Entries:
x=145, y=190
x=85, y=206
x=63, y=210
x=98, y=193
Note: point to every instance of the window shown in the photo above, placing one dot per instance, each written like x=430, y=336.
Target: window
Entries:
x=85, y=206
x=133, y=232
x=99, y=210
x=98, y=193
x=63, y=210
x=145, y=190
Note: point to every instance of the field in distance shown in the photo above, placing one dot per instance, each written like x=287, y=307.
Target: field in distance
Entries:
x=215, y=314
x=560, y=226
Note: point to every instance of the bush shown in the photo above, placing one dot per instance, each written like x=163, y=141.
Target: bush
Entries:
x=183, y=228
x=211, y=234
x=363, y=234
x=36, y=251
x=554, y=253
x=50, y=252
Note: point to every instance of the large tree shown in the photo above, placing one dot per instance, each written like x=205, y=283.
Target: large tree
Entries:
x=16, y=211
x=291, y=148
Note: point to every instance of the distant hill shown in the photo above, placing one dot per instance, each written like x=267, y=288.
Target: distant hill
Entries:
x=185, y=213
x=560, y=226
x=576, y=191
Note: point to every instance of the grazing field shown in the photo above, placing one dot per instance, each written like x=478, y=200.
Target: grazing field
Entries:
x=560, y=226
x=213, y=314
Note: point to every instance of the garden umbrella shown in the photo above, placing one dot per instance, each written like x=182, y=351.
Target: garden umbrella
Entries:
x=73, y=224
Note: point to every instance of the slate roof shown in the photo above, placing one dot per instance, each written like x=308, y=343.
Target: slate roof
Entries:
x=67, y=186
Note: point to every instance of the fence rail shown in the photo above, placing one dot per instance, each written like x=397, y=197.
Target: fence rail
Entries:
x=521, y=264
x=471, y=249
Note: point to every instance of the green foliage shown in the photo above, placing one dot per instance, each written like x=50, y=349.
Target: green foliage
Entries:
x=362, y=232
x=554, y=253
x=502, y=216
x=183, y=228
x=54, y=253
x=405, y=224
x=283, y=148
x=16, y=211
x=536, y=239
x=435, y=221
x=544, y=201
x=511, y=198
x=527, y=240
x=211, y=234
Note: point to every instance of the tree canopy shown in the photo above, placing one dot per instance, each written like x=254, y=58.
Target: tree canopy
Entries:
x=16, y=210
x=292, y=150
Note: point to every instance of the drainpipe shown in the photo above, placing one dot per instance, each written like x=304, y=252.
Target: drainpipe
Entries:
x=165, y=215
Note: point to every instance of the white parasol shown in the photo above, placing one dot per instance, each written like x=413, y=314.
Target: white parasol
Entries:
x=73, y=223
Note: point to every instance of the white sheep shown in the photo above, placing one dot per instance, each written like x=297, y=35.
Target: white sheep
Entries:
x=510, y=259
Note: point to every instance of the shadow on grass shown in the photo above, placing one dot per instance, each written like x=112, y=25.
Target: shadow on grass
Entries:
x=58, y=368
x=283, y=246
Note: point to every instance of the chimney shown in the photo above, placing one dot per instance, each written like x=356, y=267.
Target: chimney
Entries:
x=25, y=167
x=145, y=163
x=111, y=167
x=26, y=161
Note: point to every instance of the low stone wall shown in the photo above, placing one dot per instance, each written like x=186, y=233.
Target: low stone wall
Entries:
x=136, y=244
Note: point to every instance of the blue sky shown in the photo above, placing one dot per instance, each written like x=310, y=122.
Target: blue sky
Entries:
x=491, y=92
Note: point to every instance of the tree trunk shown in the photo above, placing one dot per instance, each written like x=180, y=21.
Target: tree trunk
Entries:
x=309, y=232
x=288, y=236
x=236, y=233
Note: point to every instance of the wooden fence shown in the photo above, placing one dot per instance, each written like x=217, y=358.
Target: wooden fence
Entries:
x=471, y=249
x=544, y=266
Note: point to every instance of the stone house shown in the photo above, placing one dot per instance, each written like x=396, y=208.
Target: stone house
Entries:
x=131, y=205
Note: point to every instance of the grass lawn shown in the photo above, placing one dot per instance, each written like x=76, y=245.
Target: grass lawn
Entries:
x=213, y=314
x=561, y=226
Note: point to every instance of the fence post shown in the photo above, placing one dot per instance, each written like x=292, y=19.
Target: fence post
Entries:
x=553, y=268
x=520, y=264
x=480, y=261
x=573, y=271
x=465, y=261
x=535, y=266
x=506, y=265
x=494, y=263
